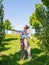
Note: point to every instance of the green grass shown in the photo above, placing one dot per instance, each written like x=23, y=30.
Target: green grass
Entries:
x=10, y=52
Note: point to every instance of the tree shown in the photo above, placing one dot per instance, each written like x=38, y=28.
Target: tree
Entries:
x=46, y=3
x=7, y=25
x=39, y=22
x=1, y=21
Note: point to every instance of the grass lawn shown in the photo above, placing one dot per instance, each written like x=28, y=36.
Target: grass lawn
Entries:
x=10, y=52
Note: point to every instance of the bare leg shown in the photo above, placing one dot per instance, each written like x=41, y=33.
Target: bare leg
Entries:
x=27, y=48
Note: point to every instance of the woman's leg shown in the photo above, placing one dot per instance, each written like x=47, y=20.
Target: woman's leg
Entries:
x=27, y=48
x=21, y=49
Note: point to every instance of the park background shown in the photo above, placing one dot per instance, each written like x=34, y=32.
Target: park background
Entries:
x=16, y=14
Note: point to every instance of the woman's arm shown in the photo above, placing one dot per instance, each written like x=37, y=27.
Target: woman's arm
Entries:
x=19, y=31
x=31, y=37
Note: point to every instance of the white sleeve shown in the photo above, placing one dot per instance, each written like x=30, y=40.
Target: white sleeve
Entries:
x=30, y=36
x=29, y=31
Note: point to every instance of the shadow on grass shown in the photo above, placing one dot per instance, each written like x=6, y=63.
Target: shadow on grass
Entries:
x=2, y=46
x=6, y=42
x=37, y=60
x=14, y=58
x=42, y=60
x=34, y=52
x=9, y=39
x=10, y=59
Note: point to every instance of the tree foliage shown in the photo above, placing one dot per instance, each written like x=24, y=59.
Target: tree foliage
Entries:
x=39, y=21
x=1, y=21
x=7, y=25
x=46, y=2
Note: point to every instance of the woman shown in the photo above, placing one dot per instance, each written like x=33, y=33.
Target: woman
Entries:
x=24, y=41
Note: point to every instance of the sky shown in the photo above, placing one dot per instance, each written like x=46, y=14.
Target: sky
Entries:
x=19, y=11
